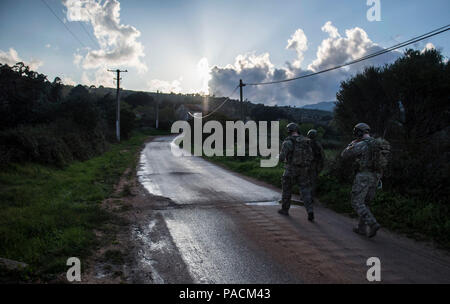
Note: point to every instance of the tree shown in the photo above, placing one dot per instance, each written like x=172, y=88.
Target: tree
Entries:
x=408, y=100
x=368, y=97
x=408, y=103
x=422, y=82
x=139, y=99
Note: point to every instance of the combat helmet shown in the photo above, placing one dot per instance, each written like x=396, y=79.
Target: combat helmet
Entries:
x=312, y=134
x=292, y=127
x=360, y=129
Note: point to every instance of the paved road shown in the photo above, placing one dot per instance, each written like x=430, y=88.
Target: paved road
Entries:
x=219, y=227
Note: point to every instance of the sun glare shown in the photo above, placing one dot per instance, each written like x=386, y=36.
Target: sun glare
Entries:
x=204, y=75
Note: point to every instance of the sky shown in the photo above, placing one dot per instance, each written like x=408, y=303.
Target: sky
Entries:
x=206, y=46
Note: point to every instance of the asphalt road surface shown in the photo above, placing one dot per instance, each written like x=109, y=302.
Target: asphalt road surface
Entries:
x=217, y=226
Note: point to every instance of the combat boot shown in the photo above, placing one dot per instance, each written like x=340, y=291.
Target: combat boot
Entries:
x=359, y=231
x=283, y=212
x=373, y=230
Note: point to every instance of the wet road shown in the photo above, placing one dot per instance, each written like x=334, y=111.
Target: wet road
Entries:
x=215, y=226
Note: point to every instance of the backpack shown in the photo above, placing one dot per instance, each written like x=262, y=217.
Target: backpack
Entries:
x=380, y=150
x=303, y=154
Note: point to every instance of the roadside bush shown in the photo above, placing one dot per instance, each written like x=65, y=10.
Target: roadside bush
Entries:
x=39, y=143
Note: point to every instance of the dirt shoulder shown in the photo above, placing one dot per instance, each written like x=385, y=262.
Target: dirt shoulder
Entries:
x=125, y=252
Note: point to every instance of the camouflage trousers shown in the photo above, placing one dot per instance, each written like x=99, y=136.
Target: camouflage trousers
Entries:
x=314, y=173
x=301, y=178
x=363, y=192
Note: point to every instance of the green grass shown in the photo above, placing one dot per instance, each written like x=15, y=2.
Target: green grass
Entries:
x=250, y=166
x=47, y=214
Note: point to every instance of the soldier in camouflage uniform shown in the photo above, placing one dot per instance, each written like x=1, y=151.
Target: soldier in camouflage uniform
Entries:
x=297, y=153
x=319, y=157
x=366, y=180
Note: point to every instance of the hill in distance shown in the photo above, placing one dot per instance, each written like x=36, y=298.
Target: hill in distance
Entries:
x=323, y=106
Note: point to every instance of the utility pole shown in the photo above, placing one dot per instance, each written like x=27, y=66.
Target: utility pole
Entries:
x=241, y=85
x=157, y=110
x=246, y=102
x=118, y=101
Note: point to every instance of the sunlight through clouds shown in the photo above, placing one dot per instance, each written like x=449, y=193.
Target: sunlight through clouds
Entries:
x=118, y=42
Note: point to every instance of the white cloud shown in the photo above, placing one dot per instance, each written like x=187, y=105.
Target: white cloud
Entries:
x=48, y=45
x=165, y=86
x=428, y=46
x=118, y=42
x=338, y=50
x=99, y=77
x=68, y=81
x=12, y=57
x=77, y=59
x=331, y=30
x=334, y=50
x=299, y=43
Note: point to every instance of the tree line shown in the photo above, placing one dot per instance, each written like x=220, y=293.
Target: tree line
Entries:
x=40, y=125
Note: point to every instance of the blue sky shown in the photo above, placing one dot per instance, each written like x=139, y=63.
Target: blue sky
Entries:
x=176, y=35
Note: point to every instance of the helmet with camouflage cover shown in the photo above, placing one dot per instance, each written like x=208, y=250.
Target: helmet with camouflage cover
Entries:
x=360, y=129
x=292, y=127
x=312, y=134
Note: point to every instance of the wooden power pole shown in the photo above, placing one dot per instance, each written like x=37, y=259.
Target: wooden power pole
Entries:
x=241, y=85
x=157, y=110
x=118, y=101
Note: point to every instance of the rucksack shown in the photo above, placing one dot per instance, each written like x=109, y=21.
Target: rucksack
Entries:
x=380, y=150
x=303, y=154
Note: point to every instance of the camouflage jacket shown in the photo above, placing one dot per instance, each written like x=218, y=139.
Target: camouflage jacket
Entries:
x=287, y=149
x=360, y=150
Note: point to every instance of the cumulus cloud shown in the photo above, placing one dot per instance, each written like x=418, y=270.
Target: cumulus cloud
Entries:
x=252, y=68
x=331, y=30
x=165, y=86
x=118, y=42
x=11, y=57
x=299, y=43
x=334, y=50
x=337, y=50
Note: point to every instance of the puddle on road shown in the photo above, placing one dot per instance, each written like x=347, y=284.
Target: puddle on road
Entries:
x=294, y=204
x=271, y=203
x=145, y=177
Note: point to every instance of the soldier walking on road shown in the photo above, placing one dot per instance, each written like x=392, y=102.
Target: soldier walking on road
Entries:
x=296, y=152
x=370, y=155
x=319, y=157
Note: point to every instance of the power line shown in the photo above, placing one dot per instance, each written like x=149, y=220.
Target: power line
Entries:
x=216, y=109
x=65, y=25
x=90, y=36
x=92, y=18
x=394, y=47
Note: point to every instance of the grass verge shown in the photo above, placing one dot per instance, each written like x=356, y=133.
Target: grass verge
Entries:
x=48, y=214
